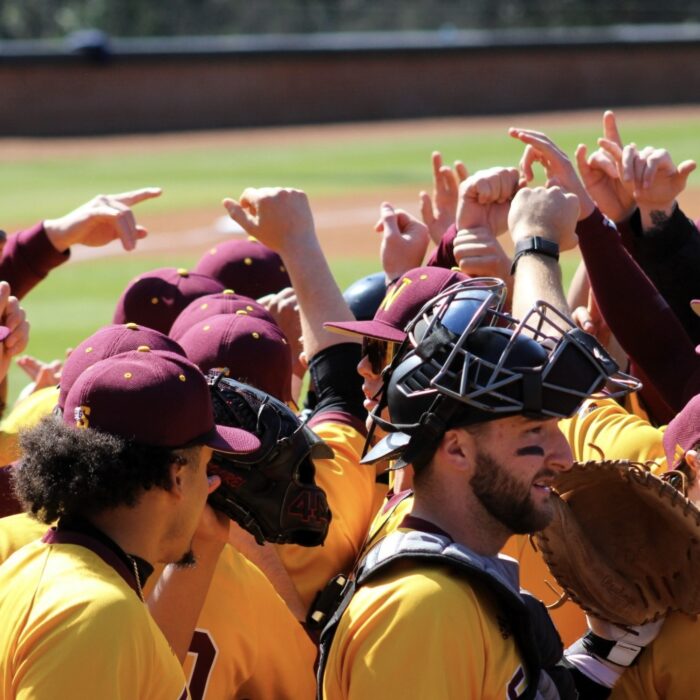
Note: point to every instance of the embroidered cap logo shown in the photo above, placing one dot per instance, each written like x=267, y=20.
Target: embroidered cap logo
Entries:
x=81, y=413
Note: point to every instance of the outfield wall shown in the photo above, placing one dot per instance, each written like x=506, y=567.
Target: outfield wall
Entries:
x=49, y=88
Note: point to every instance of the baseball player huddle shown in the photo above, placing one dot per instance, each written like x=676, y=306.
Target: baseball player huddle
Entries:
x=182, y=520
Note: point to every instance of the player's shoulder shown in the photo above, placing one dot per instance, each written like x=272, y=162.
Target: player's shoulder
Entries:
x=432, y=589
x=103, y=587
x=16, y=531
x=241, y=576
x=60, y=583
x=678, y=632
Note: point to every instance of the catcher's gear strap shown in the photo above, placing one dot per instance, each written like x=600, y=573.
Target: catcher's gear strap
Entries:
x=499, y=573
x=337, y=384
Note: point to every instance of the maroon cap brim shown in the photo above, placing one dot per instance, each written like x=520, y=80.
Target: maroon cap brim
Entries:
x=4, y=332
x=232, y=440
x=371, y=329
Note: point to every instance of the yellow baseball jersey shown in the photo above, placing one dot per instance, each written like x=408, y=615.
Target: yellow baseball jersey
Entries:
x=423, y=632
x=25, y=414
x=351, y=492
x=30, y=410
x=569, y=619
x=74, y=627
x=9, y=448
x=18, y=530
x=603, y=429
x=247, y=644
x=389, y=517
x=666, y=668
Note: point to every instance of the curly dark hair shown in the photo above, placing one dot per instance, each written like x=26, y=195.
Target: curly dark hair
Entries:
x=67, y=472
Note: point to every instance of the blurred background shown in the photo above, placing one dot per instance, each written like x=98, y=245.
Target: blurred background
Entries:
x=34, y=19
x=343, y=98
x=107, y=66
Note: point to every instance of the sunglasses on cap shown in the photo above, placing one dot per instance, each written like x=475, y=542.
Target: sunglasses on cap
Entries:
x=380, y=353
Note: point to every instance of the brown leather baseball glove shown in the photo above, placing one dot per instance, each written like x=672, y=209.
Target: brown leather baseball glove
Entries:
x=624, y=544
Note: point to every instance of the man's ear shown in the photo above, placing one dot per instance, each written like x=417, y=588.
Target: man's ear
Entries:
x=692, y=466
x=457, y=449
x=303, y=361
x=177, y=468
x=692, y=459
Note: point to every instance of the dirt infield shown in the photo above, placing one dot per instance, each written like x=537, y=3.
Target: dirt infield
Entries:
x=344, y=223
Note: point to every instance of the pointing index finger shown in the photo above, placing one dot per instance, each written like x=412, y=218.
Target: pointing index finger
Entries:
x=136, y=196
x=610, y=130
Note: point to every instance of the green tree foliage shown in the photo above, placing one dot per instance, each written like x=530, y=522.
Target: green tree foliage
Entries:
x=34, y=19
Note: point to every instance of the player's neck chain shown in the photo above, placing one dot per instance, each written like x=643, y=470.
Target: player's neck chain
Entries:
x=138, y=578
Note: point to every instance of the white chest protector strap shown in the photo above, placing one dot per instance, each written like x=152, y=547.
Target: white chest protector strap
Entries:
x=499, y=574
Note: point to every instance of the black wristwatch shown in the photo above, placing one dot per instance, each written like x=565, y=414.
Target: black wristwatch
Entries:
x=534, y=245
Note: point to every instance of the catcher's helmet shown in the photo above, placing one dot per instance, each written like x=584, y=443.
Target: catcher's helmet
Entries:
x=270, y=492
x=474, y=364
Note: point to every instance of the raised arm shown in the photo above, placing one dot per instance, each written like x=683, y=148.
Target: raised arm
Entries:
x=620, y=287
x=281, y=219
x=30, y=255
x=549, y=214
x=601, y=178
x=664, y=242
x=103, y=219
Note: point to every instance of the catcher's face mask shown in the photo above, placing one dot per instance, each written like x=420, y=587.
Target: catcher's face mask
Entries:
x=271, y=492
x=470, y=368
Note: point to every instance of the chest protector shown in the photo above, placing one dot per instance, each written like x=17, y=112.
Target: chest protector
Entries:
x=499, y=574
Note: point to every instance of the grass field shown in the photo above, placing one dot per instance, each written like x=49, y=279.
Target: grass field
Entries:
x=204, y=172
x=46, y=179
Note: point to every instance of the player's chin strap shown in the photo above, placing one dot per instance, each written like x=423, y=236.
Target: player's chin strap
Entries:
x=426, y=437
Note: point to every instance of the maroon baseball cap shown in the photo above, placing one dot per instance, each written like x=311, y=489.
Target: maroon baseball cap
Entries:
x=403, y=300
x=246, y=266
x=227, y=302
x=108, y=341
x=253, y=351
x=155, y=398
x=155, y=298
x=682, y=433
